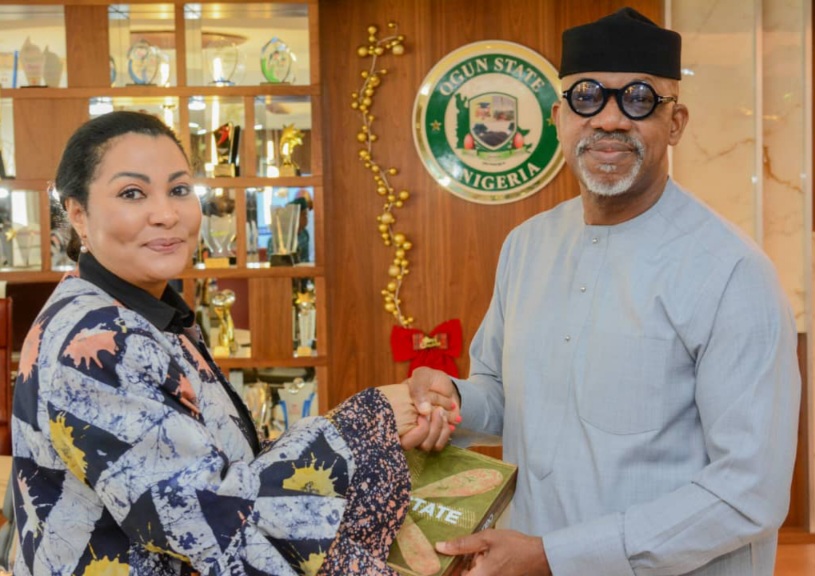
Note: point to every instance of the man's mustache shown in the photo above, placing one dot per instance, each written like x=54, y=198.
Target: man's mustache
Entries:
x=599, y=135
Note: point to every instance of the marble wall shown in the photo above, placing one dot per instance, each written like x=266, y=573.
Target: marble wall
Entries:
x=747, y=151
x=744, y=152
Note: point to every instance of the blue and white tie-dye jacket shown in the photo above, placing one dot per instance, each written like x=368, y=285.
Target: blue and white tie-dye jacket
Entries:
x=131, y=457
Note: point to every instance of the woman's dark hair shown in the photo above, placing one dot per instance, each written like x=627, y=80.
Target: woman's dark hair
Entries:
x=85, y=149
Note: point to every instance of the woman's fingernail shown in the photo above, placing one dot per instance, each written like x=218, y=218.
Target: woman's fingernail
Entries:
x=458, y=419
x=454, y=405
x=452, y=428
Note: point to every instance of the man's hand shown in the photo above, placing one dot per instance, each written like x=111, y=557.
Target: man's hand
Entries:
x=500, y=553
x=437, y=402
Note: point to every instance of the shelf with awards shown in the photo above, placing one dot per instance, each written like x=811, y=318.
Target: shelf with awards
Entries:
x=239, y=84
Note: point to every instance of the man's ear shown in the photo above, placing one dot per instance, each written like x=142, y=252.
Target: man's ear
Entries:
x=679, y=119
x=556, y=114
x=76, y=216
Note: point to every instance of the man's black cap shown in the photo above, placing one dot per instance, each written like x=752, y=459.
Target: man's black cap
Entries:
x=625, y=41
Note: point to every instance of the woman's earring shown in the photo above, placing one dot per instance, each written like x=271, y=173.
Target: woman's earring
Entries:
x=83, y=248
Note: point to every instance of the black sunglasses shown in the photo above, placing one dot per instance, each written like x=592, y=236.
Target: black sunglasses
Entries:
x=637, y=100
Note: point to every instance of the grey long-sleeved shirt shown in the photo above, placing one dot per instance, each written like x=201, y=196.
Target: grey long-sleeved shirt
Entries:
x=644, y=378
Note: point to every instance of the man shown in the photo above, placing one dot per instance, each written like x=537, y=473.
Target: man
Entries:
x=638, y=356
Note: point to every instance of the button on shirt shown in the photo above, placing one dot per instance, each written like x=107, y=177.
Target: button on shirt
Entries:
x=644, y=378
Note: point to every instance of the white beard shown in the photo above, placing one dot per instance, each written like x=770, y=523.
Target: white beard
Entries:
x=624, y=181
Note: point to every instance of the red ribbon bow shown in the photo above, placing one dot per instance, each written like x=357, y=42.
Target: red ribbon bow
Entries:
x=436, y=349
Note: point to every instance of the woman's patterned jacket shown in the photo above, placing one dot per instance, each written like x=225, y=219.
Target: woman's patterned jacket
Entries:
x=131, y=457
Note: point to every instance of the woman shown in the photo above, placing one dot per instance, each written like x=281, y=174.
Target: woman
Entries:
x=132, y=453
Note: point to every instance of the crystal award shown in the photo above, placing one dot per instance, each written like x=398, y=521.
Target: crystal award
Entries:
x=219, y=229
x=277, y=62
x=143, y=63
x=284, y=223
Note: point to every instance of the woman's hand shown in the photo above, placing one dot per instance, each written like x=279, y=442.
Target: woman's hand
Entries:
x=414, y=428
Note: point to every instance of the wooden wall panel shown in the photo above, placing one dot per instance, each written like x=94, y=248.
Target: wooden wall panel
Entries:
x=456, y=243
x=87, y=41
x=41, y=128
x=798, y=517
x=277, y=312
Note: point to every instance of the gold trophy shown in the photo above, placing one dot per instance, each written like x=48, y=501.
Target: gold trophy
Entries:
x=306, y=323
x=222, y=302
x=289, y=140
x=258, y=398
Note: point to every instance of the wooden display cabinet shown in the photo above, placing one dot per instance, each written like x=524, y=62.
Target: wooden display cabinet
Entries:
x=214, y=79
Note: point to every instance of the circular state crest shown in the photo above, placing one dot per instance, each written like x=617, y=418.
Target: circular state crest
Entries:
x=483, y=125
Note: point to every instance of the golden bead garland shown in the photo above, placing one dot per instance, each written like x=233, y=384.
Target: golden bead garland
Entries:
x=362, y=101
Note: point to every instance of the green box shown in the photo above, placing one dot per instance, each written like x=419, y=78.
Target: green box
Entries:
x=454, y=493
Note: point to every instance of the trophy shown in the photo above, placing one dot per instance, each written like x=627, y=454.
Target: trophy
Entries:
x=298, y=399
x=52, y=68
x=258, y=398
x=225, y=63
x=113, y=71
x=251, y=225
x=32, y=60
x=7, y=234
x=143, y=63
x=277, y=62
x=290, y=138
x=219, y=230
x=306, y=323
x=222, y=302
x=26, y=237
x=284, y=223
x=225, y=139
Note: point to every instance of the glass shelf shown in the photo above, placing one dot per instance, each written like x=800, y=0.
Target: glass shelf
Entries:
x=222, y=308
x=19, y=229
x=32, y=46
x=208, y=115
x=259, y=204
x=275, y=116
x=164, y=107
x=225, y=42
x=142, y=45
x=277, y=396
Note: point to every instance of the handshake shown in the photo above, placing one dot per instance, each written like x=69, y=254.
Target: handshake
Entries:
x=426, y=407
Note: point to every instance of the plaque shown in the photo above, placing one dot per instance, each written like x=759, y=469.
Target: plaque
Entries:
x=277, y=62
x=143, y=63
